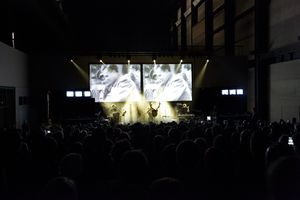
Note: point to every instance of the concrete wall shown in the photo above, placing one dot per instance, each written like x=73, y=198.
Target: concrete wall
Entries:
x=284, y=23
x=285, y=90
x=251, y=90
x=14, y=73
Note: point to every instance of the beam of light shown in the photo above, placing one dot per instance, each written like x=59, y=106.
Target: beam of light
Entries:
x=136, y=110
x=166, y=113
x=80, y=70
x=154, y=62
x=101, y=61
x=200, y=77
x=180, y=61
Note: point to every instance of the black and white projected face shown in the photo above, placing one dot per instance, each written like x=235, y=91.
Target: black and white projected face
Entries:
x=167, y=82
x=115, y=82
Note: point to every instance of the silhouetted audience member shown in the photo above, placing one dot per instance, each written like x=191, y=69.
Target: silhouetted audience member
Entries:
x=60, y=188
x=166, y=188
x=71, y=166
x=191, y=160
x=134, y=167
x=296, y=141
x=283, y=179
x=168, y=161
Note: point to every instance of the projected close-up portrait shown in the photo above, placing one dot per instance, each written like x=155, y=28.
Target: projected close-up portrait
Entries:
x=167, y=82
x=114, y=82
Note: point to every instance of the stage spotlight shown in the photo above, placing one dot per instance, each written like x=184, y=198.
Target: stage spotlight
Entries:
x=87, y=93
x=239, y=91
x=232, y=92
x=128, y=58
x=69, y=94
x=78, y=93
x=13, y=39
x=99, y=58
x=180, y=61
x=154, y=59
x=224, y=92
x=207, y=60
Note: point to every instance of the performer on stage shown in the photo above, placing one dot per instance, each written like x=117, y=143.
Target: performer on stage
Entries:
x=185, y=109
x=116, y=113
x=152, y=112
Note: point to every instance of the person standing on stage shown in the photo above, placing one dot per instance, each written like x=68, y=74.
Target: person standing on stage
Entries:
x=152, y=112
x=115, y=112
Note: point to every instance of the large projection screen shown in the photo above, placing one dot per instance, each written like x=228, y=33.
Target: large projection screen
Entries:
x=167, y=82
x=115, y=82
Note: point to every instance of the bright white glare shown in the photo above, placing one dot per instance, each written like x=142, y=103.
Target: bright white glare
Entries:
x=70, y=94
x=239, y=91
x=87, y=93
x=290, y=141
x=78, y=93
x=224, y=92
x=232, y=92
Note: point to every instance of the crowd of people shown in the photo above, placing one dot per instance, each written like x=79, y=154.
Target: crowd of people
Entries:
x=190, y=160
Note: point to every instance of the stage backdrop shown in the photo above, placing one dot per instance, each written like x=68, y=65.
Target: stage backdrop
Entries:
x=123, y=82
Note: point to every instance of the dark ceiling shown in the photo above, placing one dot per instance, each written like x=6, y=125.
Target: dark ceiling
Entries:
x=87, y=25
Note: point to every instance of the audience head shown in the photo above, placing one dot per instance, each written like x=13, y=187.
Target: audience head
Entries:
x=134, y=167
x=283, y=179
x=60, y=188
x=166, y=188
x=296, y=140
x=72, y=165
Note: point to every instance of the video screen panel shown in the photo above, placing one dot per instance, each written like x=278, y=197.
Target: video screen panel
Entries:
x=167, y=82
x=115, y=82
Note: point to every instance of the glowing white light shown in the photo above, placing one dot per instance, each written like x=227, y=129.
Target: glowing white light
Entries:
x=239, y=91
x=69, y=94
x=290, y=141
x=232, y=92
x=78, y=93
x=87, y=93
x=224, y=92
